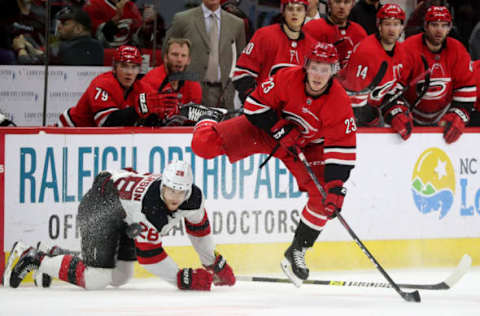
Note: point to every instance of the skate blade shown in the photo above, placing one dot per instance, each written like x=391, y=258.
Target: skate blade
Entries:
x=17, y=249
x=287, y=269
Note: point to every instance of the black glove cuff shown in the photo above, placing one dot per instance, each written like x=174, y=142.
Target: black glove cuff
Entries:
x=185, y=279
x=282, y=132
x=338, y=191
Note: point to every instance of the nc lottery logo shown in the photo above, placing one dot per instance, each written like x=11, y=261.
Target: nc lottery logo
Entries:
x=433, y=182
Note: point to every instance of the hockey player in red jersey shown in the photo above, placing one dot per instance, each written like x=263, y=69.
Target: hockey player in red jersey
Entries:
x=449, y=98
x=123, y=218
x=365, y=63
x=298, y=109
x=273, y=47
x=337, y=29
x=174, y=92
x=114, y=21
x=117, y=98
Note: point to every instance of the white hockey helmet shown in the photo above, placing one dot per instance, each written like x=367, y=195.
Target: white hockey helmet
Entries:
x=178, y=176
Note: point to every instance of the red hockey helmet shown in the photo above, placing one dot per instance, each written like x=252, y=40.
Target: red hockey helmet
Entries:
x=127, y=54
x=323, y=53
x=390, y=11
x=285, y=2
x=438, y=13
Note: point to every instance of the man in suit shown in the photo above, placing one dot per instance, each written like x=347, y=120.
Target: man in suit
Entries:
x=212, y=62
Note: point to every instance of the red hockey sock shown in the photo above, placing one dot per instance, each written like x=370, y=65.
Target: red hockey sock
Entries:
x=72, y=270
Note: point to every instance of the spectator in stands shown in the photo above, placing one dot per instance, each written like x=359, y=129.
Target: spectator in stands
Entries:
x=176, y=93
x=22, y=32
x=76, y=45
x=114, y=22
x=474, y=42
x=364, y=12
x=147, y=36
x=216, y=36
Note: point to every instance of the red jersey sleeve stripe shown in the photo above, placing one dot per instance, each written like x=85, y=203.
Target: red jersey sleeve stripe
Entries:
x=198, y=229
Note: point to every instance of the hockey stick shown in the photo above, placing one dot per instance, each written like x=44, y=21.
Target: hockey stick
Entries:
x=399, y=94
x=375, y=81
x=407, y=296
x=446, y=284
x=426, y=83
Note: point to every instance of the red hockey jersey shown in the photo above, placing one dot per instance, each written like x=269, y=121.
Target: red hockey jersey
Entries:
x=326, y=119
x=344, y=38
x=365, y=64
x=451, y=78
x=270, y=50
x=191, y=91
x=102, y=11
x=103, y=96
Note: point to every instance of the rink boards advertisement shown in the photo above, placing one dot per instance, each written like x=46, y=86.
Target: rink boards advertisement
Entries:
x=419, y=190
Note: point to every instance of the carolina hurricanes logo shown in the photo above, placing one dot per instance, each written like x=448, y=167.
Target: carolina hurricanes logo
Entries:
x=124, y=27
x=307, y=129
x=437, y=89
x=379, y=92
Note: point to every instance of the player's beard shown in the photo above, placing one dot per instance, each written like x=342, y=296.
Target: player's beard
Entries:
x=173, y=68
x=434, y=40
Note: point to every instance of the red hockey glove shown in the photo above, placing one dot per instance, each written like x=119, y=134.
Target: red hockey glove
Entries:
x=194, y=279
x=453, y=123
x=222, y=272
x=163, y=105
x=288, y=135
x=400, y=118
x=334, y=200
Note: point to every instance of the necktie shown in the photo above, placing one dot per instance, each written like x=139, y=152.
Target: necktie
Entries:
x=212, y=68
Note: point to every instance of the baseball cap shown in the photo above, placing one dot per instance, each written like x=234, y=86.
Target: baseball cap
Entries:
x=78, y=15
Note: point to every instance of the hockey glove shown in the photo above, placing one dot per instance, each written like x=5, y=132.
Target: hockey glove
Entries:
x=334, y=200
x=162, y=105
x=194, y=279
x=400, y=118
x=194, y=112
x=288, y=136
x=453, y=123
x=222, y=272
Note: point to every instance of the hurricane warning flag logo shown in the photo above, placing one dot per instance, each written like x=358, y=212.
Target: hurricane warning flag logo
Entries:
x=433, y=182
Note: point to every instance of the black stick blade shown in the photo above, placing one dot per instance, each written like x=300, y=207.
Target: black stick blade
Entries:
x=411, y=297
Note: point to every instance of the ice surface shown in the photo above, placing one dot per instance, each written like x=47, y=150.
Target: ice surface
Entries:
x=152, y=296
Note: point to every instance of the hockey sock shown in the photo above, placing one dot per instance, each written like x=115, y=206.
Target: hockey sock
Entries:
x=304, y=236
x=67, y=268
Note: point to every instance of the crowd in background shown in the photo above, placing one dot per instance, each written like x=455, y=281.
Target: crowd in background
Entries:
x=96, y=24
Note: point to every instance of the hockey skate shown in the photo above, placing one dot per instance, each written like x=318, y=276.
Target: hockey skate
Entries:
x=42, y=279
x=17, y=249
x=28, y=261
x=294, y=266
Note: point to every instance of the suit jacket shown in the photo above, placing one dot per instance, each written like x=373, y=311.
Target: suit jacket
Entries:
x=191, y=24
